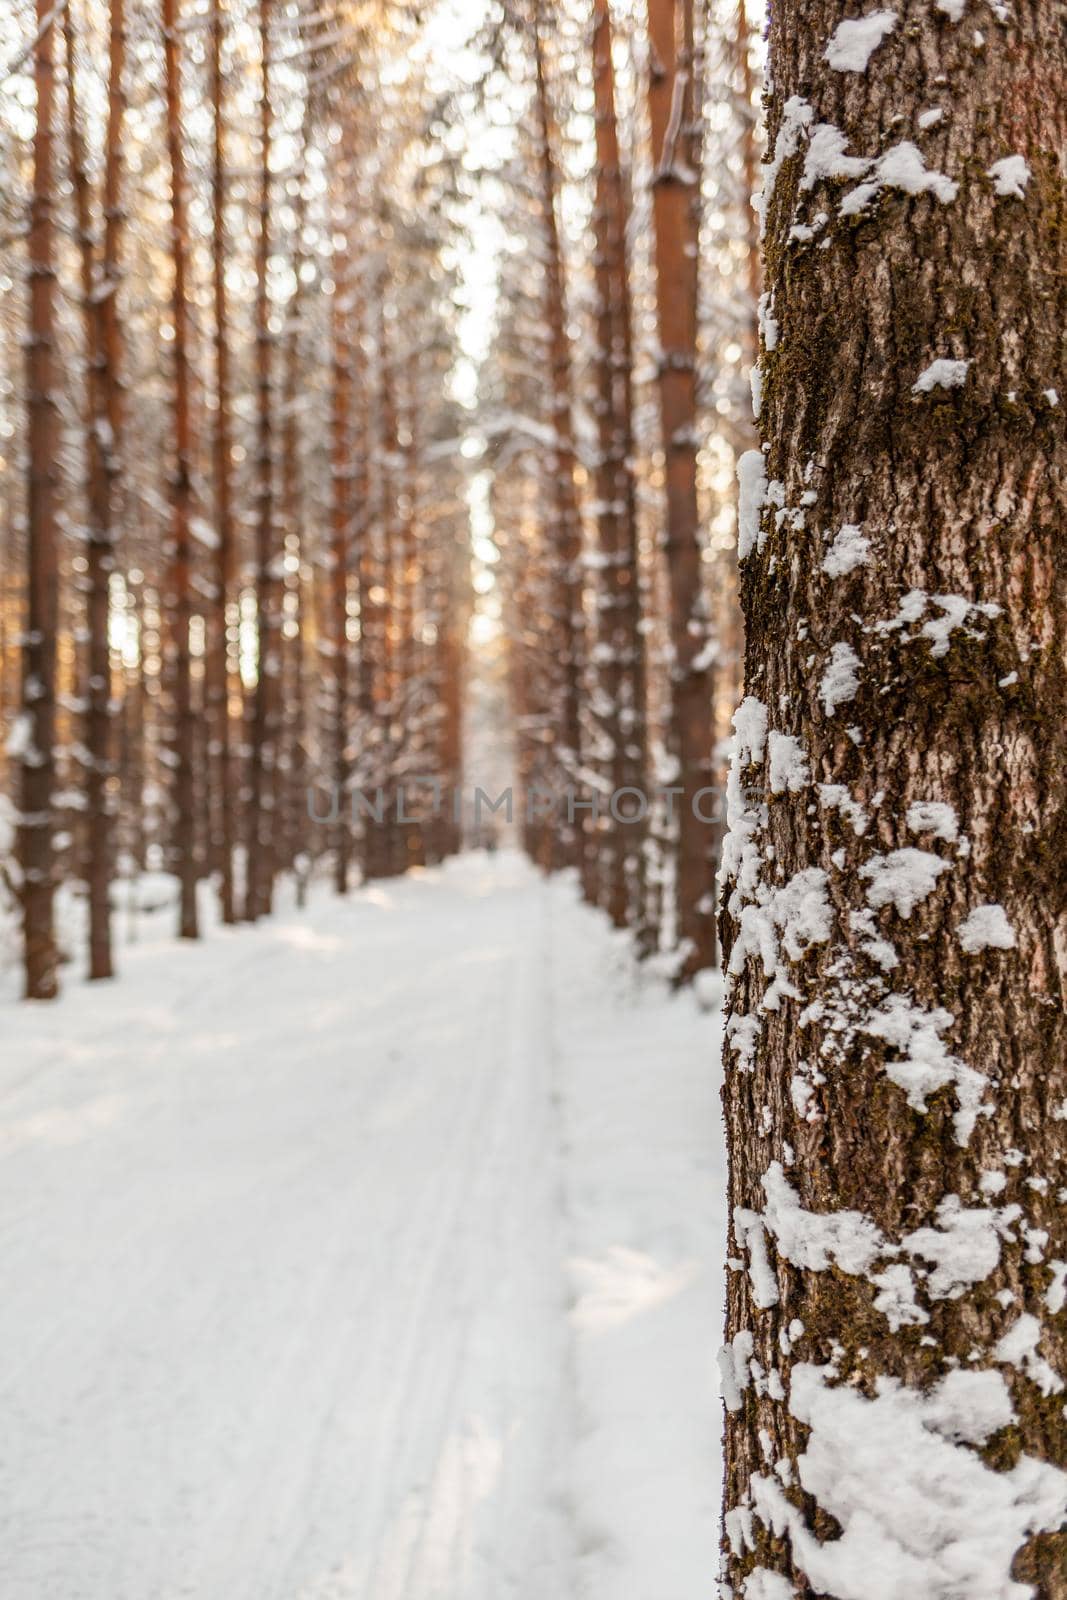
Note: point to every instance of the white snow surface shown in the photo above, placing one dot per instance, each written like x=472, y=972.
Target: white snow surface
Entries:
x=372, y=1253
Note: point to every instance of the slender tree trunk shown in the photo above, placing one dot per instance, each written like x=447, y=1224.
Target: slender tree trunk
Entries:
x=293, y=767
x=897, y=1043
x=621, y=655
x=218, y=669
x=103, y=416
x=39, y=646
x=181, y=498
x=341, y=521
x=389, y=641
x=263, y=752
x=676, y=146
x=566, y=531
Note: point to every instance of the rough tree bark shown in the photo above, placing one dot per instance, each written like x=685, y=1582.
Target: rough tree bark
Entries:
x=39, y=641
x=896, y=926
x=676, y=149
x=180, y=587
x=341, y=531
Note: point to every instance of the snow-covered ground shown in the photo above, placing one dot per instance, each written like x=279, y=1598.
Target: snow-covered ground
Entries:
x=370, y=1254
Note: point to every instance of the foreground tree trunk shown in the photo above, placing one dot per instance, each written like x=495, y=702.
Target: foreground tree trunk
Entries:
x=181, y=501
x=39, y=641
x=895, y=927
x=676, y=147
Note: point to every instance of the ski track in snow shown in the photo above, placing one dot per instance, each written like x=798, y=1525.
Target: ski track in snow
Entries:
x=370, y=1254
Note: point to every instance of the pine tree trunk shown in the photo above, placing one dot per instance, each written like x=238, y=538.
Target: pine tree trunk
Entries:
x=341, y=518
x=895, y=929
x=577, y=847
x=180, y=595
x=292, y=783
x=102, y=341
x=621, y=656
x=218, y=672
x=676, y=149
x=263, y=751
x=39, y=645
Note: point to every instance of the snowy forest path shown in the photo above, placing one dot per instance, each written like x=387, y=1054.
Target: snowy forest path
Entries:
x=290, y=1275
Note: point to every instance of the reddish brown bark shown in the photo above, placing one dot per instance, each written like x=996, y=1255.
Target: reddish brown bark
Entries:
x=676, y=149
x=340, y=557
x=180, y=591
x=103, y=416
x=621, y=653
x=262, y=760
x=218, y=664
x=565, y=641
x=42, y=600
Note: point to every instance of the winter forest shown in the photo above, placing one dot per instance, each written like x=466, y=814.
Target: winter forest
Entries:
x=533, y=832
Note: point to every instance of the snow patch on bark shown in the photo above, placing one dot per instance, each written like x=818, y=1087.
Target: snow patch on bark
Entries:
x=816, y=1240
x=1018, y=1348
x=986, y=928
x=787, y=764
x=1010, y=176
x=902, y=878
x=752, y=497
x=901, y=168
x=856, y=39
x=796, y=114
x=762, y=1584
x=748, y=1226
x=924, y=1064
x=943, y=373
x=835, y=797
x=840, y=681
x=850, y=549
x=750, y=725
x=826, y=157
x=933, y=816
x=920, y=1512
